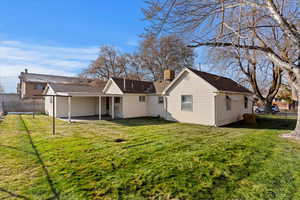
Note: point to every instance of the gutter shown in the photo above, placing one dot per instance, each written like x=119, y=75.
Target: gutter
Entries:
x=231, y=92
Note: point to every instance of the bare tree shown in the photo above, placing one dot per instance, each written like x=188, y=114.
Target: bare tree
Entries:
x=136, y=67
x=110, y=63
x=157, y=54
x=252, y=69
x=274, y=26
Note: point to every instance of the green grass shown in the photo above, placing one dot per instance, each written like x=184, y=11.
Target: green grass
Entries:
x=157, y=160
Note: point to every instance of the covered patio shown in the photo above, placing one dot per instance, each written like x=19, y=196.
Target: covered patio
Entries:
x=107, y=107
x=81, y=102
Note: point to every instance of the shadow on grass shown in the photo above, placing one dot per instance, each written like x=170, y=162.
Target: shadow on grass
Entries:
x=265, y=122
x=12, y=194
x=44, y=168
x=16, y=149
x=142, y=121
x=136, y=145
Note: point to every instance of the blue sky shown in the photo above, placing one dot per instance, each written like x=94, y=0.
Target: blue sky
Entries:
x=62, y=37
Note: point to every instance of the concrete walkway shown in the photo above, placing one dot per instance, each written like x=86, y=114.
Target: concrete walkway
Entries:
x=86, y=118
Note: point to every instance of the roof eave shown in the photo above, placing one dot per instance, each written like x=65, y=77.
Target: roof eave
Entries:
x=233, y=92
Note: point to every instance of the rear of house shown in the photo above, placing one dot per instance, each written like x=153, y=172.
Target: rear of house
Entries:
x=203, y=98
x=138, y=98
x=192, y=97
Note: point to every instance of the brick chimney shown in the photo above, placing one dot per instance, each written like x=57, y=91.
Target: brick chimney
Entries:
x=169, y=75
x=26, y=71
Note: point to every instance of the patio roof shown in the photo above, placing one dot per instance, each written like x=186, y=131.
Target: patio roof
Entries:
x=75, y=89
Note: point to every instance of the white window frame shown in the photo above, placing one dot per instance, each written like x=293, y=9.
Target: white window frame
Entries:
x=186, y=106
x=228, y=102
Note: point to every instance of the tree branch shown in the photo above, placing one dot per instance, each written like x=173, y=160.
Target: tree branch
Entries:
x=288, y=28
x=270, y=53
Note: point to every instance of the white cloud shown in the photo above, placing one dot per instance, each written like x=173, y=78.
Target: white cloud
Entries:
x=15, y=56
x=133, y=42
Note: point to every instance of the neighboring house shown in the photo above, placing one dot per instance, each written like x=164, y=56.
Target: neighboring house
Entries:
x=286, y=99
x=192, y=97
x=31, y=84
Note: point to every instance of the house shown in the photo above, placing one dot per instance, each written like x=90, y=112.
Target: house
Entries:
x=286, y=99
x=192, y=97
x=31, y=85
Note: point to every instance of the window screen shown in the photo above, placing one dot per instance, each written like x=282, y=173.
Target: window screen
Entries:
x=187, y=102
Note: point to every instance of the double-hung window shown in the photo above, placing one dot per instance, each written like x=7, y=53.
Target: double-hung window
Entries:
x=228, y=103
x=186, y=102
x=160, y=100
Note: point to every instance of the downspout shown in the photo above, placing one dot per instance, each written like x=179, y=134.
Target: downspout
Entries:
x=215, y=106
x=166, y=106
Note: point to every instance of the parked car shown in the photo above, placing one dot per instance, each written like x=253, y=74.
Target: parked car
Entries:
x=275, y=109
x=259, y=110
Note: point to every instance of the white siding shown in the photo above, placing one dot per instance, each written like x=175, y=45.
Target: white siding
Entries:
x=224, y=116
x=203, y=100
x=80, y=106
x=133, y=108
x=154, y=109
x=48, y=103
x=113, y=88
x=103, y=107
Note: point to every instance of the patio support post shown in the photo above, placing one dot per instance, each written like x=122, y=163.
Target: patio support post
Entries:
x=54, y=115
x=69, y=109
x=100, y=105
x=113, y=107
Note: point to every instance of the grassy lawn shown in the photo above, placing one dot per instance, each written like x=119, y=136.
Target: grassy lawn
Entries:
x=156, y=160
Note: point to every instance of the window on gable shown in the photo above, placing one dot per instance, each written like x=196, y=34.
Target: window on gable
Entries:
x=160, y=100
x=142, y=98
x=246, y=102
x=39, y=87
x=228, y=103
x=186, y=102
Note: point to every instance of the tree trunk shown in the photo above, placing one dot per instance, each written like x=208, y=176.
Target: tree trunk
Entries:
x=296, y=131
x=268, y=106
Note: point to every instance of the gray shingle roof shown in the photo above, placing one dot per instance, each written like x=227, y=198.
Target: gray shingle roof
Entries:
x=75, y=88
x=45, y=78
x=221, y=83
x=141, y=87
x=134, y=86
